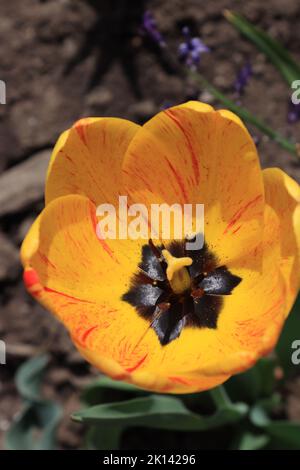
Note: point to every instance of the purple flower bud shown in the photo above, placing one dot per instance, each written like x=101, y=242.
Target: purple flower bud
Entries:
x=198, y=45
x=242, y=78
x=191, y=49
x=293, y=113
x=149, y=28
x=183, y=49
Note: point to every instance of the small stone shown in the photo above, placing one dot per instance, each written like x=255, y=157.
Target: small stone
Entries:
x=286, y=8
x=69, y=48
x=23, y=228
x=9, y=260
x=9, y=145
x=59, y=376
x=100, y=97
x=143, y=110
x=23, y=184
x=208, y=29
x=224, y=76
x=207, y=97
x=74, y=358
x=258, y=68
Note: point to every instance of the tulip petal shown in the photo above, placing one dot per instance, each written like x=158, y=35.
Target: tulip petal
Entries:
x=253, y=316
x=87, y=159
x=80, y=279
x=102, y=334
x=249, y=322
x=188, y=154
x=283, y=195
x=193, y=154
x=72, y=273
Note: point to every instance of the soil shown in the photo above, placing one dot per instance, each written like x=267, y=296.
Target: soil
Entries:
x=62, y=60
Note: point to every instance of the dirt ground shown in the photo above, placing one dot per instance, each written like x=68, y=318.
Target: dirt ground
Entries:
x=62, y=60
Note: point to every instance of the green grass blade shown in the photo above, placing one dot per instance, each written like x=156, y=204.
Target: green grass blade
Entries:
x=276, y=53
x=245, y=115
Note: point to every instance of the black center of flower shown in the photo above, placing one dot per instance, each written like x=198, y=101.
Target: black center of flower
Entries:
x=173, y=297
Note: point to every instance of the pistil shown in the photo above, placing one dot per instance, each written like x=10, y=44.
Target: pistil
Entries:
x=177, y=274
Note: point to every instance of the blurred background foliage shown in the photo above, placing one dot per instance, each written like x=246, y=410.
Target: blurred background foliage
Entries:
x=247, y=411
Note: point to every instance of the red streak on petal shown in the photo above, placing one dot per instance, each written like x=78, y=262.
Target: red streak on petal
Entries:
x=87, y=333
x=178, y=179
x=241, y=212
x=237, y=229
x=32, y=282
x=62, y=152
x=103, y=243
x=244, y=146
x=166, y=388
x=46, y=260
x=179, y=380
x=137, y=365
x=93, y=216
x=30, y=278
x=195, y=165
x=79, y=126
x=121, y=376
x=277, y=304
x=48, y=289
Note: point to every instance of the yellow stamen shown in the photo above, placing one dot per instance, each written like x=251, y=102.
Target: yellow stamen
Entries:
x=177, y=273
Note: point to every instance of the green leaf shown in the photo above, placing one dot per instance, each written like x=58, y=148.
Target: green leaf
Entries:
x=284, y=434
x=158, y=411
x=29, y=376
x=36, y=424
x=259, y=413
x=220, y=397
x=275, y=52
x=245, y=386
x=94, y=392
x=270, y=403
x=103, y=438
x=34, y=428
x=250, y=441
x=107, y=382
x=255, y=383
x=265, y=369
x=291, y=332
x=258, y=416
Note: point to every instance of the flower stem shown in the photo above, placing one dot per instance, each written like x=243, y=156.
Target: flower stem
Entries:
x=220, y=397
x=245, y=114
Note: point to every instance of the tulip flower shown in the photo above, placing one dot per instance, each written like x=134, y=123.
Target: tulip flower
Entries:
x=152, y=312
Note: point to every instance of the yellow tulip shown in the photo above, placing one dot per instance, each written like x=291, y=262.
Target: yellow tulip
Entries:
x=133, y=309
